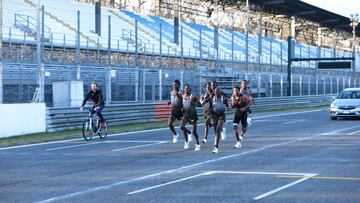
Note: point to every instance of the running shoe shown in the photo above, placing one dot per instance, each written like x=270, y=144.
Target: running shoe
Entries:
x=197, y=148
x=237, y=145
x=204, y=141
x=215, y=150
x=175, y=138
x=186, y=145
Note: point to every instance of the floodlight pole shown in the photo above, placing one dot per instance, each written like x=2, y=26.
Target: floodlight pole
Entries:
x=40, y=66
x=354, y=18
x=289, y=65
x=247, y=37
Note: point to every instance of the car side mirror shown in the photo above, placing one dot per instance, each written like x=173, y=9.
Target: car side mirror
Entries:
x=333, y=98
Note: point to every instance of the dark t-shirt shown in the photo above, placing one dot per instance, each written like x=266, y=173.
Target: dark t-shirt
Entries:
x=96, y=97
x=189, y=102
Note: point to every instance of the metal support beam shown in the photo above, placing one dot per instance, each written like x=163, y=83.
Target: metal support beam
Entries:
x=108, y=85
x=40, y=66
x=304, y=13
x=182, y=58
x=161, y=63
x=78, y=39
x=274, y=2
x=289, y=66
x=1, y=54
x=42, y=33
x=324, y=59
x=109, y=40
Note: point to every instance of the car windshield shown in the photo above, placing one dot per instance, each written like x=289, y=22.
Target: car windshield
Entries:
x=349, y=95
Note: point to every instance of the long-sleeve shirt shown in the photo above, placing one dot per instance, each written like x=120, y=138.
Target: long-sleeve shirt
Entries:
x=96, y=97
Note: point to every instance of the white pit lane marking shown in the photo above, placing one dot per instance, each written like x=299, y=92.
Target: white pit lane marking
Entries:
x=104, y=142
x=306, y=177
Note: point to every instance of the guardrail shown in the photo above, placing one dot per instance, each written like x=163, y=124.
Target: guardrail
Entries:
x=59, y=119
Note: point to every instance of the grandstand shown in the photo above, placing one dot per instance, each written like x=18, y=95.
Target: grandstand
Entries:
x=140, y=47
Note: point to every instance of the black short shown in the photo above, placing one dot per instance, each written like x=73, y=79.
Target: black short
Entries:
x=187, y=119
x=176, y=114
x=217, y=116
x=240, y=117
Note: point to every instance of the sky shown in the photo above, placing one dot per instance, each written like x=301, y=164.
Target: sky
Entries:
x=342, y=7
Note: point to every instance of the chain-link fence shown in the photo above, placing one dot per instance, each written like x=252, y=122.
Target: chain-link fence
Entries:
x=135, y=59
x=124, y=84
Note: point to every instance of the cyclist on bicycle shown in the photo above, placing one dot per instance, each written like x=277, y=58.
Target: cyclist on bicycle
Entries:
x=96, y=96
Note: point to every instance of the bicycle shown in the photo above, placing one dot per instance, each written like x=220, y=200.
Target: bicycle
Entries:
x=91, y=126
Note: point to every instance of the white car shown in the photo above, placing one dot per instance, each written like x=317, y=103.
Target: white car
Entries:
x=346, y=104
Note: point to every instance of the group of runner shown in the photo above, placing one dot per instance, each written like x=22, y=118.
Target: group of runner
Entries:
x=215, y=104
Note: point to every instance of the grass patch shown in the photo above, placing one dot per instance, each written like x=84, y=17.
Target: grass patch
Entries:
x=71, y=134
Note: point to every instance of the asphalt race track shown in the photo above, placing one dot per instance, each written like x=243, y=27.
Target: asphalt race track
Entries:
x=285, y=157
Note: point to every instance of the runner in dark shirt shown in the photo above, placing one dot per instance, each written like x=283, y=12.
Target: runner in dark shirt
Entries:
x=246, y=91
x=176, y=104
x=205, y=101
x=241, y=103
x=219, y=106
x=190, y=101
x=214, y=85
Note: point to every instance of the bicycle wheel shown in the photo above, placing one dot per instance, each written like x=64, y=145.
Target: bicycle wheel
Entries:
x=103, y=132
x=87, y=131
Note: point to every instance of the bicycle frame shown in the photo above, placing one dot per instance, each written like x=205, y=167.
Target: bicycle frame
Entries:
x=93, y=117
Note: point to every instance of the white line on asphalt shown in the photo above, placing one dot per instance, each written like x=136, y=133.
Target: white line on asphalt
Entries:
x=91, y=190
x=353, y=133
x=287, y=114
x=283, y=187
x=294, y=121
x=336, y=131
x=219, y=172
x=145, y=131
x=262, y=173
x=138, y=146
x=164, y=184
x=104, y=142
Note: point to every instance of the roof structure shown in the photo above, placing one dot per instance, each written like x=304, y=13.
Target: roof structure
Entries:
x=303, y=10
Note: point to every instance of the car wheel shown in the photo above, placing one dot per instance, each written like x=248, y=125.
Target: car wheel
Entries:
x=333, y=117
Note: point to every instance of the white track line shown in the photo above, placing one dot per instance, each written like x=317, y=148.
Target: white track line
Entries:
x=282, y=188
x=138, y=146
x=145, y=131
x=72, y=146
x=221, y=172
x=353, y=133
x=111, y=141
x=164, y=184
x=95, y=189
x=294, y=121
x=262, y=173
x=340, y=130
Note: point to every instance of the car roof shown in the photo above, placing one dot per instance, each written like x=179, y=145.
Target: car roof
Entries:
x=352, y=89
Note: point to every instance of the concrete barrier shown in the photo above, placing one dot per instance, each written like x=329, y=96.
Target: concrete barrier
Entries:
x=20, y=119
